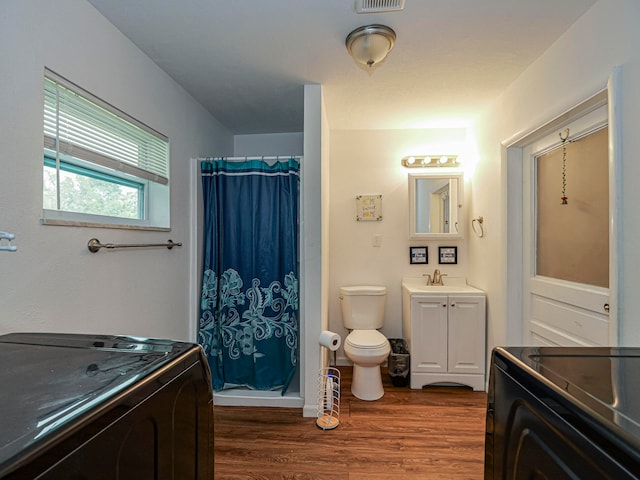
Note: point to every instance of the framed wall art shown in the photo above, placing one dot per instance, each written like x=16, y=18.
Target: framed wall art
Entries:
x=418, y=255
x=369, y=208
x=447, y=255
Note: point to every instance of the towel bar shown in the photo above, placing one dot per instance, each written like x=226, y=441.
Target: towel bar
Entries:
x=94, y=245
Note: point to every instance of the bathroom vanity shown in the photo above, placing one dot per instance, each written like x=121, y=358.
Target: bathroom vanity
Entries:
x=445, y=326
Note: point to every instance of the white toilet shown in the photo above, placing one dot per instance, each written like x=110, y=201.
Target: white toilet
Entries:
x=362, y=314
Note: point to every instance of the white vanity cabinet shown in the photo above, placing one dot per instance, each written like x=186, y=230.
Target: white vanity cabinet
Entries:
x=446, y=332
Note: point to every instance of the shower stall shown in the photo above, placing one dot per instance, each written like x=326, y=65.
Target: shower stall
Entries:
x=248, y=244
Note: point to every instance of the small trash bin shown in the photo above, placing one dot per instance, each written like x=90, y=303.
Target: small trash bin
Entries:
x=398, y=362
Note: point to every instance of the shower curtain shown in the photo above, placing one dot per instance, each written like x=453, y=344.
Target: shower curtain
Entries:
x=249, y=306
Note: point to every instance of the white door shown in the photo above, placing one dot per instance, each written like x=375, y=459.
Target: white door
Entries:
x=565, y=249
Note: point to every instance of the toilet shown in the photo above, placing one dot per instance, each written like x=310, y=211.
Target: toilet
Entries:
x=362, y=314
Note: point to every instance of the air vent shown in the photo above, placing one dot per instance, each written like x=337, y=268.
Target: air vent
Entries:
x=377, y=6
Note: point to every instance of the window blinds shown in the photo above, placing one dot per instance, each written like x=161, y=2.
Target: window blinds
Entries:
x=84, y=127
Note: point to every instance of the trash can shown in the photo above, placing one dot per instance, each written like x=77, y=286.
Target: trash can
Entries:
x=398, y=362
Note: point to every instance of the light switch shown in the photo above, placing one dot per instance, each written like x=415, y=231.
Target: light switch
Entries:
x=377, y=240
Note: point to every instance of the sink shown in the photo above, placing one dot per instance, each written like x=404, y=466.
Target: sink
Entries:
x=451, y=285
x=440, y=288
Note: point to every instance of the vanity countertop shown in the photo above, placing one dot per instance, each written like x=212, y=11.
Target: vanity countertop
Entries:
x=418, y=285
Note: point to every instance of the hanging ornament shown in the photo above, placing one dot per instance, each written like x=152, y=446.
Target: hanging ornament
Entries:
x=564, y=136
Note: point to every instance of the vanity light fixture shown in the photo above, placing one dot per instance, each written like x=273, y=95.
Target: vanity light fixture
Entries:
x=426, y=161
x=371, y=44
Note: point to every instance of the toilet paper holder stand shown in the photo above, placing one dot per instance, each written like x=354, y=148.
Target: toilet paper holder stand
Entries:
x=328, y=416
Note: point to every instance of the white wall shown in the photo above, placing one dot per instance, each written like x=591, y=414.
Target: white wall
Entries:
x=269, y=144
x=52, y=283
x=368, y=162
x=574, y=68
x=314, y=248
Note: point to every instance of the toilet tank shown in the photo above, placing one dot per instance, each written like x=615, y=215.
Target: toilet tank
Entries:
x=363, y=306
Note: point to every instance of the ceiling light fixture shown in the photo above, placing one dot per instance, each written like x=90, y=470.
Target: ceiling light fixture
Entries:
x=371, y=44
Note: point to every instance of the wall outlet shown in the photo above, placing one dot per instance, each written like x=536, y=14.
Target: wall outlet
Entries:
x=377, y=240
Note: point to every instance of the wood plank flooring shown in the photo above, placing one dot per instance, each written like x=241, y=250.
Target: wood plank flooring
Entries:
x=434, y=433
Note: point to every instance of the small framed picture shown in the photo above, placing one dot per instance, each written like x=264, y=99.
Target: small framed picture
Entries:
x=448, y=255
x=418, y=255
x=369, y=208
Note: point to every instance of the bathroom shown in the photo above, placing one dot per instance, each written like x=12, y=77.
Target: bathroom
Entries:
x=55, y=284
x=353, y=257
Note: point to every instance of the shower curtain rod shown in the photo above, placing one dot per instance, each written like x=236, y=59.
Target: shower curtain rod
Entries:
x=253, y=157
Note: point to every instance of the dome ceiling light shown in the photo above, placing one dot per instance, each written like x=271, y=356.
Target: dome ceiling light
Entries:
x=371, y=44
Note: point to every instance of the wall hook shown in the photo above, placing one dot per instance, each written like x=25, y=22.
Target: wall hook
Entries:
x=564, y=135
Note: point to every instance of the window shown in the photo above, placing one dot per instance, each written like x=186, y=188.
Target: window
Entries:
x=572, y=240
x=100, y=166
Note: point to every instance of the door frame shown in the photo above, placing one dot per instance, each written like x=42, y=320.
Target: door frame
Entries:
x=610, y=96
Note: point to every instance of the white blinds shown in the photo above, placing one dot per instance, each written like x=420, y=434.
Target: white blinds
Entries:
x=99, y=134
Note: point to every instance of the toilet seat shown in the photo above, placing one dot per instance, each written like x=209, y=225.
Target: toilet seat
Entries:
x=366, y=339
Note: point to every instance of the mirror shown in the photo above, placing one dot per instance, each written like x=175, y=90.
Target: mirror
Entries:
x=435, y=205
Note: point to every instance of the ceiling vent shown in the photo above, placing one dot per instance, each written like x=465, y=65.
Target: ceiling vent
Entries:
x=378, y=6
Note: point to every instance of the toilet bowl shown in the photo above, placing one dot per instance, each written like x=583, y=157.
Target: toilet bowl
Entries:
x=363, y=313
x=367, y=349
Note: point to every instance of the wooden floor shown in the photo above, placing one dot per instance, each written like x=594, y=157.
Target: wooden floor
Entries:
x=434, y=433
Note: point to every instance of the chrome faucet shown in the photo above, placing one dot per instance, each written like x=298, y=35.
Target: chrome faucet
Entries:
x=436, y=279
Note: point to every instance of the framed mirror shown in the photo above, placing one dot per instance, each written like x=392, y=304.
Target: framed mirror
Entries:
x=435, y=205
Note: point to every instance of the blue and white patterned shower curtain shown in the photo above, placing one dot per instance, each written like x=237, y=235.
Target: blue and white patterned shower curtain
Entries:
x=249, y=305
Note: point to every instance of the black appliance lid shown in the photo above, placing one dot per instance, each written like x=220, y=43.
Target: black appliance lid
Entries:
x=604, y=382
x=49, y=381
